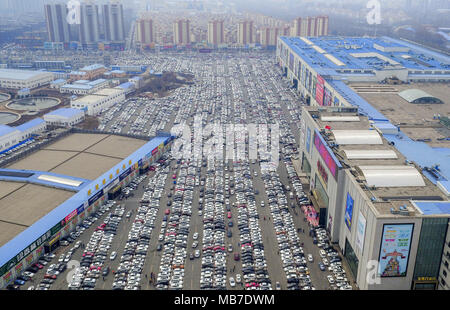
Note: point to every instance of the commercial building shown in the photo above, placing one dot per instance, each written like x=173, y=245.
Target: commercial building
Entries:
x=388, y=219
x=57, y=26
x=216, y=32
x=181, y=32
x=19, y=79
x=44, y=196
x=93, y=71
x=99, y=101
x=310, y=26
x=11, y=137
x=245, y=33
x=83, y=87
x=371, y=74
x=65, y=117
x=145, y=32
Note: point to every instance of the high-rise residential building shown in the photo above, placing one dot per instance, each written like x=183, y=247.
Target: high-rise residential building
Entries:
x=57, y=26
x=113, y=22
x=310, y=26
x=145, y=31
x=181, y=32
x=245, y=33
x=216, y=34
x=269, y=35
x=90, y=26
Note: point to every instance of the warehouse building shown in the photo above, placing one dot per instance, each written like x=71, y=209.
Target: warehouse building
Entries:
x=20, y=79
x=46, y=194
x=11, y=137
x=389, y=220
x=99, y=101
x=84, y=87
x=65, y=117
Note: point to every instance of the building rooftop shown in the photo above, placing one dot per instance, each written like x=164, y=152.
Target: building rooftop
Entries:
x=418, y=121
x=77, y=86
x=23, y=228
x=92, y=67
x=15, y=74
x=30, y=124
x=381, y=170
x=365, y=55
x=65, y=112
x=4, y=130
x=108, y=92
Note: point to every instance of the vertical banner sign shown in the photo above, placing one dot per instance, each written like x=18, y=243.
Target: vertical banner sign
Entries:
x=349, y=212
x=360, y=231
x=394, y=251
x=319, y=90
x=308, y=139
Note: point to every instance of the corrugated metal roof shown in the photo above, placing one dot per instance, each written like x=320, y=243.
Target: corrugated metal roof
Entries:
x=357, y=137
x=4, y=130
x=65, y=112
x=30, y=124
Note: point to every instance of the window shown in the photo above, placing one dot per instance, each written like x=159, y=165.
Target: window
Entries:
x=444, y=273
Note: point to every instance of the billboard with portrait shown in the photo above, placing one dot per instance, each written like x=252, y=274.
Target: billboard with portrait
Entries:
x=394, y=250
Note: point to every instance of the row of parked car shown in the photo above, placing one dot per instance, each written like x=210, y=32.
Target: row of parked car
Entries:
x=254, y=266
x=95, y=253
x=175, y=229
x=128, y=273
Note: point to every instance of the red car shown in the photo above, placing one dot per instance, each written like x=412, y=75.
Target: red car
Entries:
x=237, y=256
x=50, y=276
x=167, y=212
x=38, y=265
x=174, y=176
x=229, y=215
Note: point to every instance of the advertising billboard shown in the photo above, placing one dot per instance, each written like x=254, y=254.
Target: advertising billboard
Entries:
x=319, y=90
x=349, y=211
x=308, y=139
x=326, y=154
x=360, y=231
x=394, y=250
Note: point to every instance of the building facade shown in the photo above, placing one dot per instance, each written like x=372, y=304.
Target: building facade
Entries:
x=245, y=32
x=216, y=32
x=181, y=32
x=113, y=23
x=145, y=32
x=57, y=26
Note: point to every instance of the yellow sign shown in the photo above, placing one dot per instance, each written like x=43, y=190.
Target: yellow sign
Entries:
x=426, y=279
x=104, y=181
x=123, y=167
x=89, y=192
x=110, y=176
x=117, y=171
x=96, y=186
x=129, y=162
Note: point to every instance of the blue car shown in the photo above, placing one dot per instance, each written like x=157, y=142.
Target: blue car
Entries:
x=230, y=224
x=322, y=266
x=19, y=282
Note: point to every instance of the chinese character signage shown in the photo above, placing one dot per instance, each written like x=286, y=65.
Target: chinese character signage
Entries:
x=394, y=252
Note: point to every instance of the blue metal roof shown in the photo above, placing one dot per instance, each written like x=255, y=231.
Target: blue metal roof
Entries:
x=96, y=82
x=92, y=67
x=65, y=112
x=30, y=124
x=126, y=85
x=76, y=86
x=34, y=179
x=4, y=130
x=29, y=235
x=433, y=207
x=423, y=155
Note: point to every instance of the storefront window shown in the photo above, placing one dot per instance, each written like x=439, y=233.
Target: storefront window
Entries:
x=429, y=252
x=306, y=167
x=351, y=258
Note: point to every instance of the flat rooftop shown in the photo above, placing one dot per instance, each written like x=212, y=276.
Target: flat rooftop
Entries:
x=386, y=197
x=415, y=120
x=79, y=155
x=15, y=74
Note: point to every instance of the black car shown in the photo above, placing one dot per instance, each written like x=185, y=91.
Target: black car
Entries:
x=159, y=247
x=105, y=272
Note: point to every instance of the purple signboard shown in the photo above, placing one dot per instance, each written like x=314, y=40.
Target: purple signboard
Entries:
x=324, y=152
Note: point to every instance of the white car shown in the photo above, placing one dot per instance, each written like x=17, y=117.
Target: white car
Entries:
x=330, y=279
x=194, y=244
x=195, y=236
x=113, y=255
x=238, y=278
x=232, y=282
x=310, y=258
x=230, y=247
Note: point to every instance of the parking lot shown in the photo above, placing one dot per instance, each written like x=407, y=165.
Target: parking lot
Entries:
x=206, y=223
